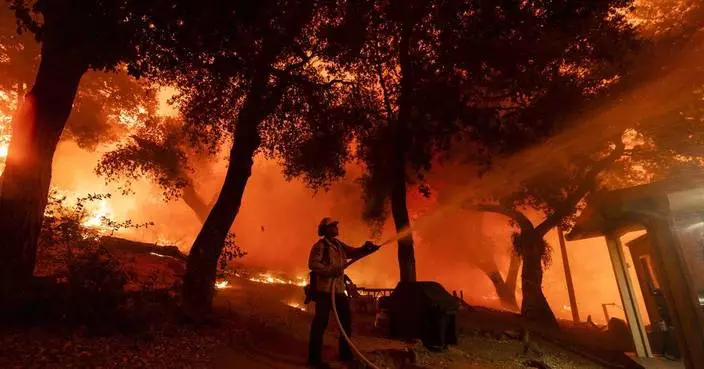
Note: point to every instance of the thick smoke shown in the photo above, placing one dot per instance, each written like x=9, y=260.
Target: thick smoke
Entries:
x=278, y=219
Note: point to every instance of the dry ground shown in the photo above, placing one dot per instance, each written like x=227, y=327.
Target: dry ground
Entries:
x=256, y=329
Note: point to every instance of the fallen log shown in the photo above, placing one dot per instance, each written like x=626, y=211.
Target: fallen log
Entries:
x=121, y=244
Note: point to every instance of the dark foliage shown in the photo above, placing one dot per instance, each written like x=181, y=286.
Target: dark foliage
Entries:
x=106, y=103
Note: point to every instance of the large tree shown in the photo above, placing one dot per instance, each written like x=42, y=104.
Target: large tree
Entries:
x=106, y=105
x=557, y=193
x=397, y=114
x=430, y=69
x=75, y=36
x=256, y=85
x=633, y=150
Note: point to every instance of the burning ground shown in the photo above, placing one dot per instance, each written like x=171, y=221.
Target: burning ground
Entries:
x=261, y=323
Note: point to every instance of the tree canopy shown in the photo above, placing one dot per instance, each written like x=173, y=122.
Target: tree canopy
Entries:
x=107, y=103
x=501, y=78
x=388, y=84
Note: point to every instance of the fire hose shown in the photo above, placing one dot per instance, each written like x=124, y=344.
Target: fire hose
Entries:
x=354, y=348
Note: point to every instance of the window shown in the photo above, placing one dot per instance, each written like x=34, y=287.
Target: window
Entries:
x=646, y=264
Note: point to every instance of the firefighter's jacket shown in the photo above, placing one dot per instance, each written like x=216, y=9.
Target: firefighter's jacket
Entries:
x=327, y=259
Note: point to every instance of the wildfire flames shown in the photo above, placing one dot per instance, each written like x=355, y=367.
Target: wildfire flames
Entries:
x=97, y=215
x=296, y=305
x=222, y=285
x=269, y=278
x=447, y=261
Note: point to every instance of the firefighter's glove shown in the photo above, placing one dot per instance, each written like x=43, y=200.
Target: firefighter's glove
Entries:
x=370, y=246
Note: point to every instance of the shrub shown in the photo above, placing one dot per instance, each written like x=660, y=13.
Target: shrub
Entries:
x=230, y=251
x=96, y=286
x=83, y=283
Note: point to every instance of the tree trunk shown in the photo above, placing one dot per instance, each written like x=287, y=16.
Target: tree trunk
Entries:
x=534, y=306
x=203, y=257
x=504, y=291
x=36, y=130
x=195, y=202
x=399, y=207
x=512, y=275
x=506, y=295
x=399, y=210
x=262, y=100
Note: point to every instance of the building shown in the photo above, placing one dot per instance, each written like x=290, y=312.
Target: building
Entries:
x=668, y=259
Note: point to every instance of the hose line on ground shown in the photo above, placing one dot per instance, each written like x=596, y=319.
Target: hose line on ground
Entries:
x=354, y=348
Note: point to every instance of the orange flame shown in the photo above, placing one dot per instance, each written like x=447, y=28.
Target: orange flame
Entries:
x=222, y=285
x=296, y=305
x=95, y=219
x=269, y=278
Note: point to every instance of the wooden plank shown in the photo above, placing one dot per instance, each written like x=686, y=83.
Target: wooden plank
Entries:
x=628, y=299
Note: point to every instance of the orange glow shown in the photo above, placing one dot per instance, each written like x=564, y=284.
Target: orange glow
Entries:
x=296, y=306
x=97, y=214
x=5, y=134
x=279, y=237
x=276, y=223
x=268, y=278
x=222, y=285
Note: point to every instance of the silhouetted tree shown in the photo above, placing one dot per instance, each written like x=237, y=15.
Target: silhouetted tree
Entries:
x=76, y=36
x=624, y=153
x=106, y=105
x=259, y=83
x=161, y=152
x=429, y=70
x=396, y=113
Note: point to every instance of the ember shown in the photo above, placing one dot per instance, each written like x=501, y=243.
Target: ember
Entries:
x=296, y=305
x=268, y=278
x=95, y=220
x=222, y=285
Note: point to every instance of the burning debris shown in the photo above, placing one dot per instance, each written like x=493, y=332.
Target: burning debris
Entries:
x=221, y=285
x=96, y=216
x=296, y=305
x=270, y=278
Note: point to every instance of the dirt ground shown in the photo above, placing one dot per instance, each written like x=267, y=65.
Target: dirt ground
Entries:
x=257, y=329
x=267, y=305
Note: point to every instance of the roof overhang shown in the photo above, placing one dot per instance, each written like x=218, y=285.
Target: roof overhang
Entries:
x=622, y=211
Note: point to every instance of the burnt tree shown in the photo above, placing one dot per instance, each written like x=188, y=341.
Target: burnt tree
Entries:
x=257, y=88
x=73, y=38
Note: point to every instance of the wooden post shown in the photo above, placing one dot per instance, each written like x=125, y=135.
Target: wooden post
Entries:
x=568, y=275
x=677, y=287
x=628, y=299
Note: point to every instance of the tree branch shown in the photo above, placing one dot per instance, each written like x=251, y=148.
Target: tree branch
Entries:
x=303, y=81
x=304, y=60
x=23, y=14
x=587, y=185
x=385, y=92
x=523, y=222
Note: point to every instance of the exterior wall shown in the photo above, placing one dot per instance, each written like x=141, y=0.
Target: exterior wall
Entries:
x=640, y=249
x=690, y=232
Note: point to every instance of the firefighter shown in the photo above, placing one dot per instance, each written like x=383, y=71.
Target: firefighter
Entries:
x=327, y=261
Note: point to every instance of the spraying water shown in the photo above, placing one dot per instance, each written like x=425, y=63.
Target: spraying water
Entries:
x=668, y=93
